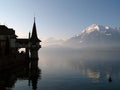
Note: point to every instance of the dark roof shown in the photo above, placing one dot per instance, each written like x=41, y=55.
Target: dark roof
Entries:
x=34, y=37
x=6, y=31
x=21, y=41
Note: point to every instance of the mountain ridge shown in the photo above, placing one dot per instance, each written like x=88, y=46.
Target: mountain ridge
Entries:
x=95, y=34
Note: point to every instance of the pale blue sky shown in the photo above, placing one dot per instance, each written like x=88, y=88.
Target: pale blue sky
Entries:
x=58, y=18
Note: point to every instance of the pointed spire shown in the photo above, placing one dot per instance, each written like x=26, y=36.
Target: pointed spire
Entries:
x=34, y=37
x=34, y=19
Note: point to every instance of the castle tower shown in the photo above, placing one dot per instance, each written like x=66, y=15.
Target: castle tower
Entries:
x=34, y=42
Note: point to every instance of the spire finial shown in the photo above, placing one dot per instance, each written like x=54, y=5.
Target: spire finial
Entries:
x=34, y=19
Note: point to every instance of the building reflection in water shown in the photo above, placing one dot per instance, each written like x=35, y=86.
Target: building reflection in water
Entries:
x=34, y=74
x=27, y=71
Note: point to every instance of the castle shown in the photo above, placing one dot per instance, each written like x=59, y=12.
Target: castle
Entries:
x=10, y=44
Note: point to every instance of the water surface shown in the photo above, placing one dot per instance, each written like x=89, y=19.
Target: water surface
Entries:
x=72, y=69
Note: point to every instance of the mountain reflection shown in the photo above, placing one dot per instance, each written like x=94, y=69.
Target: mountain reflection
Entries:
x=27, y=71
x=99, y=70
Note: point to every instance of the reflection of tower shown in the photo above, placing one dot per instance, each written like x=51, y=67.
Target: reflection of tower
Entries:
x=34, y=41
x=34, y=74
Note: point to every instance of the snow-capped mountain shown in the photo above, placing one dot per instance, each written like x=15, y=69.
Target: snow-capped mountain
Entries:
x=96, y=35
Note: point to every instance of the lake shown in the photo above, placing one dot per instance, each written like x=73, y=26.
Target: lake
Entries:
x=74, y=69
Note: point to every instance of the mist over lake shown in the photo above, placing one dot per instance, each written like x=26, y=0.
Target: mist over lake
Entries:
x=80, y=69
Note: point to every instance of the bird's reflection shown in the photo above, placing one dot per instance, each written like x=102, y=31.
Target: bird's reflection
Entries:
x=27, y=71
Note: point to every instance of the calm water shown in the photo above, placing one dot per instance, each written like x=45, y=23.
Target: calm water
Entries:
x=64, y=69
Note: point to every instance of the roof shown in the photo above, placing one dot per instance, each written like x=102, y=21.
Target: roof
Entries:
x=21, y=41
x=6, y=31
x=34, y=37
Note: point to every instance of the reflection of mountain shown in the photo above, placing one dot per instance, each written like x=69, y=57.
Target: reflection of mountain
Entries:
x=96, y=35
x=98, y=69
x=91, y=74
x=26, y=71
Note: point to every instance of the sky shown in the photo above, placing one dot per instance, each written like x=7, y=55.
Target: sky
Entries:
x=60, y=19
